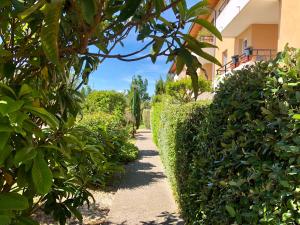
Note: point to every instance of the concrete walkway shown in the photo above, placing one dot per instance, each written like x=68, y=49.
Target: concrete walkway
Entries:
x=144, y=195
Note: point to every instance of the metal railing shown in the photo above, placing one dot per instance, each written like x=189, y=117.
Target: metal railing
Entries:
x=254, y=55
x=206, y=38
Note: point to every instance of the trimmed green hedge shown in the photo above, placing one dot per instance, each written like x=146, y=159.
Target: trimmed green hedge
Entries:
x=237, y=161
x=146, y=118
x=168, y=127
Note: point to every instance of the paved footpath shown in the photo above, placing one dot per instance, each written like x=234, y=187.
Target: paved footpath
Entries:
x=144, y=195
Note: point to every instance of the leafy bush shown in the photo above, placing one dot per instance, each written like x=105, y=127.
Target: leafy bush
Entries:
x=237, y=161
x=37, y=153
x=105, y=101
x=171, y=120
x=110, y=130
x=155, y=120
x=182, y=90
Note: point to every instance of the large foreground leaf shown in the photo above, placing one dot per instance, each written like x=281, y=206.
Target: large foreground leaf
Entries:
x=50, y=30
x=12, y=201
x=41, y=175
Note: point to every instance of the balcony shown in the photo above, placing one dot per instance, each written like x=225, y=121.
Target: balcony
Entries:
x=252, y=55
x=234, y=16
x=206, y=38
x=240, y=61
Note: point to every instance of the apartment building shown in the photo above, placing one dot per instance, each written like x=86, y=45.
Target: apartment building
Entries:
x=252, y=30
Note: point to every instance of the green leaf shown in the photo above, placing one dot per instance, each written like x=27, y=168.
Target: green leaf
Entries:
x=6, y=90
x=13, y=201
x=8, y=105
x=4, y=53
x=4, y=3
x=24, y=154
x=159, y=5
x=25, y=89
x=156, y=49
x=31, y=9
x=179, y=64
x=129, y=9
x=50, y=31
x=75, y=212
x=4, y=138
x=198, y=9
x=207, y=56
x=210, y=27
x=5, y=220
x=44, y=114
x=41, y=175
x=89, y=10
x=5, y=152
x=230, y=210
x=26, y=221
x=296, y=116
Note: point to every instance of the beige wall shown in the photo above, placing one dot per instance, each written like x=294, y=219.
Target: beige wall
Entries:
x=245, y=35
x=265, y=36
x=289, y=27
x=208, y=67
x=226, y=44
x=259, y=36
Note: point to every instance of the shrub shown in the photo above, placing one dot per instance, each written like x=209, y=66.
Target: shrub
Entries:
x=172, y=146
x=155, y=120
x=105, y=101
x=146, y=118
x=109, y=131
x=253, y=143
x=237, y=161
x=182, y=90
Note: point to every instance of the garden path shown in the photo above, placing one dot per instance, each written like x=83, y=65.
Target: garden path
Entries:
x=144, y=195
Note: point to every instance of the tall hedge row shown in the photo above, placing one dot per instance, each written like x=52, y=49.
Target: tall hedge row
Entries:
x=237, y=161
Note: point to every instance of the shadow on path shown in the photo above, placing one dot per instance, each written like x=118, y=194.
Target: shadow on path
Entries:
x=165, y=218
x=144, y=196
x=141, y=173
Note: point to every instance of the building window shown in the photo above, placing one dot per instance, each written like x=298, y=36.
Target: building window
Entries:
x=224, y=57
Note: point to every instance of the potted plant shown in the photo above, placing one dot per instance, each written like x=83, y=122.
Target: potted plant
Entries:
x=248, y=51
x=235, y=59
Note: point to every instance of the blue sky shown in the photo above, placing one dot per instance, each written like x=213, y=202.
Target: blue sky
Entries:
x=116, y=75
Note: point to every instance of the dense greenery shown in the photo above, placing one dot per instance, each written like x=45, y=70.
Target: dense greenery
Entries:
x=146, y=118
x=48, y=50
x=142, y=85
x=168, y=123
x=182, y=90
x=237, y=160
x=106, y=101
x=160, y=87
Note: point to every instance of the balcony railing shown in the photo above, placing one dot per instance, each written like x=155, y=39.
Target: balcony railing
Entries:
x=207, y=38
x=250, y=55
